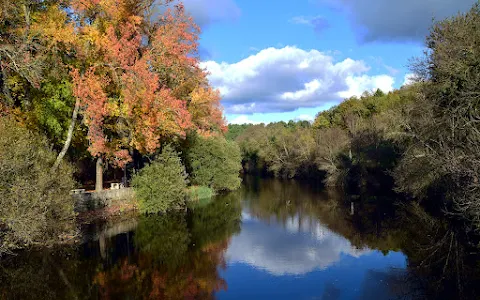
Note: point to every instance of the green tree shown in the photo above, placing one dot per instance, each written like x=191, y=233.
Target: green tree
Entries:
x=214, y=162
x=161, y=185
x=234, y=130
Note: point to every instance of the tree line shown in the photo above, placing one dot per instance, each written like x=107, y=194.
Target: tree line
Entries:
x=421, y=140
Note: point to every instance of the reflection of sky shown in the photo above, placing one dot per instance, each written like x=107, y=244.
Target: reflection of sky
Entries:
x=297, y=249
x=301, y=260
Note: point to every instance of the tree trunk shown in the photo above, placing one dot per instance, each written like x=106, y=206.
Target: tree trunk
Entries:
x=69, y=136
x=99, y=175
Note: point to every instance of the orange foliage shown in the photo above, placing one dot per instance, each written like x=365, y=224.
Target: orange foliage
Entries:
x=89, y=88
x=142, y=87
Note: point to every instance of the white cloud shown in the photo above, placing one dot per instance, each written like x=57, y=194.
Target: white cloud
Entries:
x=304, y=117
x=303, y=246
x=242, y=119
x=409, y=79
x=285, y=79
x=359, y=84
x=309, y=88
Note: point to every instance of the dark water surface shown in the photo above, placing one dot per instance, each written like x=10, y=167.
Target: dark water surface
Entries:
x=270, y=240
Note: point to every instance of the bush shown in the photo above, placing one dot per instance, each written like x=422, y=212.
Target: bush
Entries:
x=197, y=193
x=161, y=185
x=214, y=162
x=35, y=205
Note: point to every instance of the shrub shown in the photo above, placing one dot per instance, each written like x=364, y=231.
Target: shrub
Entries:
x=35, y=205
x=214, y=162
x=161, y=185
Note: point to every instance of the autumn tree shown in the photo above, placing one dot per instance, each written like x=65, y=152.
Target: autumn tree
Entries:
x=38, y=43
x=138, y=79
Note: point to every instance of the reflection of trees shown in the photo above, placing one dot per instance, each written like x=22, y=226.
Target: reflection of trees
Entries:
x=216, y=221
x=164, y=266
x=164, y=238
x=441, y=264
x=58, y=274
x=196, y=278
x=176, y=256
x=440, y=257
x=279, y=200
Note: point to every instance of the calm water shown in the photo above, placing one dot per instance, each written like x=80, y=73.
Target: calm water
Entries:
x=270, y=240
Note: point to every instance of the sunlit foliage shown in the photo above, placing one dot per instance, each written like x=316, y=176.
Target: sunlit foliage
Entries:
x=161, y=185
x=35, y=205
x=214, y=162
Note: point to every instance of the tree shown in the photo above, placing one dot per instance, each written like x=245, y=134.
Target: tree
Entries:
x=446, y=143
x=330, y=143
x=161, y=185
x=37, y=38
x=139, y=81
x=214, y=162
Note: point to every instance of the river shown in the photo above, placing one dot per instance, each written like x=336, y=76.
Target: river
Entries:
x=272, y=239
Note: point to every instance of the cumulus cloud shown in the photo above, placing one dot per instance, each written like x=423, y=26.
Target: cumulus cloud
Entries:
x=303, y=246
x=205, y=12
x=318, y=23
x=284, y=79
x=397, y=20
x=242, y=119
x=359, y=84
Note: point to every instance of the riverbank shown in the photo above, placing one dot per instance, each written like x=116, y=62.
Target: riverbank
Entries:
x=93, y=206
x=108, y=212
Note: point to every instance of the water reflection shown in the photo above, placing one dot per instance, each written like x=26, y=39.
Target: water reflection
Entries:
x=270, y=240
x=163, y=266
x=301, y=247
x=177, y=256
x=289, y=244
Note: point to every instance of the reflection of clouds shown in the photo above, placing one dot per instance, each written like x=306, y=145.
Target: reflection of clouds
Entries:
x=246, y=216
x=302, y=246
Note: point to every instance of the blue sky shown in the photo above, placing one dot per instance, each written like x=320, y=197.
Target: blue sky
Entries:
x=282, y=60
